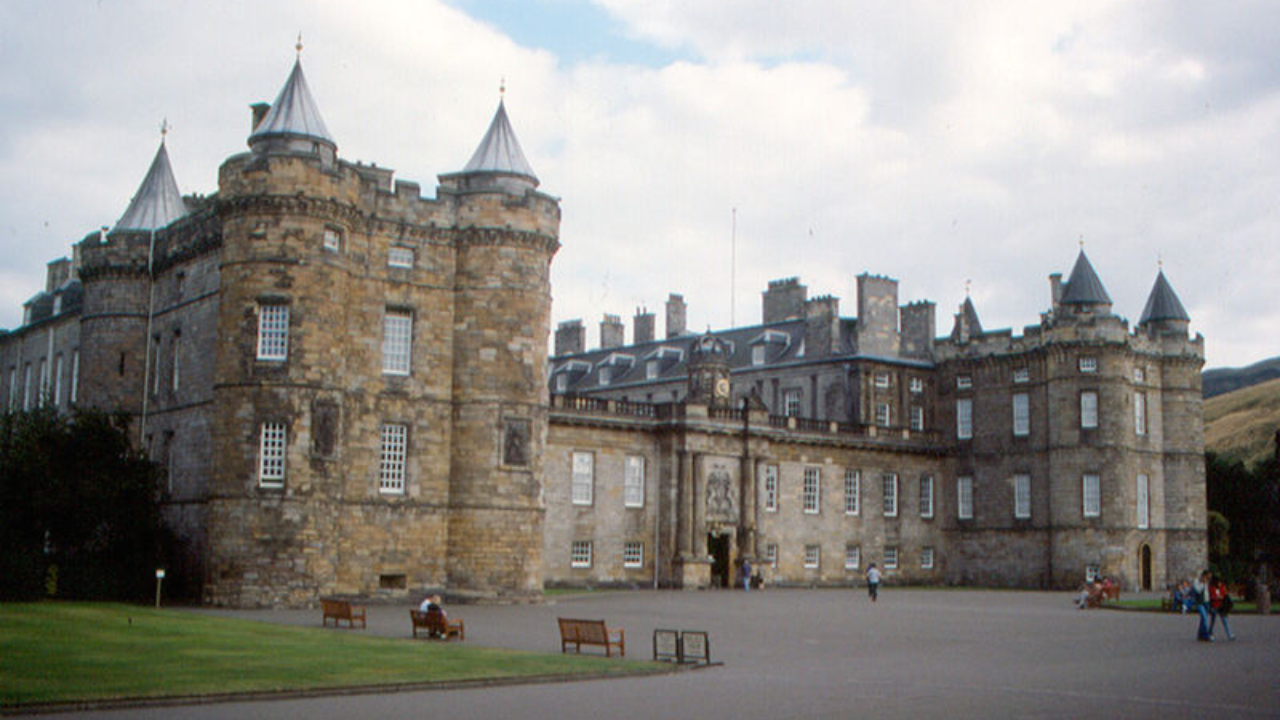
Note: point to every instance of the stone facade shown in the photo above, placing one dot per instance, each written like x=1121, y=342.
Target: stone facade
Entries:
x=844, y=441
x=347, y=385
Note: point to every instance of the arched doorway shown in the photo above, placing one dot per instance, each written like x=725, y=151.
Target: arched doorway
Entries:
x=719, y=550
x=1144, y=567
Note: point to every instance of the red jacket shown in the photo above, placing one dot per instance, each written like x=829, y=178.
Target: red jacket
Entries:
x=1217, y=591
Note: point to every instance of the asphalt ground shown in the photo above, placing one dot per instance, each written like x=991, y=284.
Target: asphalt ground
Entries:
x=833, y=654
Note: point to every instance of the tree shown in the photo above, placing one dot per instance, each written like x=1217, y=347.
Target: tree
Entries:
x=1249, y=501
x=79, y=509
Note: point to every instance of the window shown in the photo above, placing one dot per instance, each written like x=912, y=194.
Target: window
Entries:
x=652, y=369
x=400, y=257
x=44, y=383
x=812, y=556
x=155, y=365
x=271, y=454
x=812, y=490
x=75, y=374
x=1021, y=415
x=852, y=480
x=1021, y=375
x=891, y=558
x=583, y=478
x=964, y=498
x=633, y=483
x=1091, y=492
x=633, y=555
x=964, y=419
x=771, y=554
x=1088, y=364
x=174, y=372
x=917, y=385
x=926, y=558
x=926, y=497
x=1144, y=502
x=964, y=382
x=273, y=332
x=757, y=354
x=606, y=374
x=332, y=239
x=771, y=488
x=852, y=557
x=397, y=342
x=882, y=414
x=580, y=554
x=391, y=468
x=562, y=382
x=917, y=417
x=1140, y=413
x=57, y=381
x=890, y=482
x=791, y=403
x=882, y=380
x=1089, y=409
x=1139, y=375
x=1022, y=496
x=26, y=387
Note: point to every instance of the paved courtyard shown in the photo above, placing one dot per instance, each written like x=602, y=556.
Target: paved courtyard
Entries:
x=833, y=654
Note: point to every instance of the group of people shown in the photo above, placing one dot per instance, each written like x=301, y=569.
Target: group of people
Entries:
x=1208, y=596
x=1093, y=592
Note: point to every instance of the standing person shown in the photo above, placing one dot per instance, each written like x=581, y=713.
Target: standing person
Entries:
x=746, y=575
x=1219, y=606
x=873, y=581
x=1200, y=594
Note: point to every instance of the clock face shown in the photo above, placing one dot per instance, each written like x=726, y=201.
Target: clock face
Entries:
x=722, y=387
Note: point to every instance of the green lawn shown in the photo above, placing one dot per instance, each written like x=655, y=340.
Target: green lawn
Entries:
x=1153, y=604
x=56, y=652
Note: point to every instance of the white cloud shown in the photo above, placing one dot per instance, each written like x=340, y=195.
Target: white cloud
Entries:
x=931, y=143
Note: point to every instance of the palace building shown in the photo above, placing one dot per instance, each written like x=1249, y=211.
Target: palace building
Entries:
x=347, y=384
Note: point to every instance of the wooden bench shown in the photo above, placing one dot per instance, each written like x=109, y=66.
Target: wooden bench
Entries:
x=341, y=610
x=591, y=632
x=437, y=625
x=1111, y=593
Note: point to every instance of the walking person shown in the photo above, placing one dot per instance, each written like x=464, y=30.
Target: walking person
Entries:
x=873, y=581
x=746, y=575
x=1220, y=604
x=1200, y=594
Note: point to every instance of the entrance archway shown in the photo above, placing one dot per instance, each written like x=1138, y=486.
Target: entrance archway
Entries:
x=1144, y=567
x=718, y=549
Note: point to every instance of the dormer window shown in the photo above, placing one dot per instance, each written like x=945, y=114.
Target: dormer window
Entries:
x=57, y=304
x=606, y=375
x=562, y=382
x=757, y=354
x=770, y=342
x=652, y=369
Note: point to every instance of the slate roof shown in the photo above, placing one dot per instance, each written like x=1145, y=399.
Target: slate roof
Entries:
x=500, y=151
x=294, y=113
x=157, y=202
x=1084, y=287
x=1163, y=303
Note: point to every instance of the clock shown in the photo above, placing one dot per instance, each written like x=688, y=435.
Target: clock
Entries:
x=722, y=388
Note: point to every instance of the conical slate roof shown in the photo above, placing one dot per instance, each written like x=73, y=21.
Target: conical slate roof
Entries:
x=157, y=202
x=1084, y=287
x=1163, y=303
x=970, y=314
x=294, y=112
x=500, y=151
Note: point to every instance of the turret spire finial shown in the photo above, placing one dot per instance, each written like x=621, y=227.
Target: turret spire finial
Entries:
x=502, y=88
x=164, y=129
x=968, y=285
x=298, y=46
x=1081, y=241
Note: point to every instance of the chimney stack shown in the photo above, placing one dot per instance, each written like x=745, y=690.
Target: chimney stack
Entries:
x=676, y=316
x=643, y=327
x=571, y=338
x=611, y=332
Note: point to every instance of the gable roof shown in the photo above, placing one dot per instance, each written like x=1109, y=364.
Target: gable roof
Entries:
x=157, y=202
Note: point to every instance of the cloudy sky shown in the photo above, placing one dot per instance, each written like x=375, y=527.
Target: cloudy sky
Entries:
x=937, y=143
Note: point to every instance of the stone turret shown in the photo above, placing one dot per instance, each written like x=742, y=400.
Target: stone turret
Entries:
x=1163, y=312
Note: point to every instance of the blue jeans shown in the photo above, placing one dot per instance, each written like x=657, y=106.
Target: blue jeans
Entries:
x=1205, y=631
x=1214, y=616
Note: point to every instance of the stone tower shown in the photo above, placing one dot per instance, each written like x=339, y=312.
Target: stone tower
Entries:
x=505, y=234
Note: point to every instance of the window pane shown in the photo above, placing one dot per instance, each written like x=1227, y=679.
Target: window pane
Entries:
x=890, y=495
x=812, y=489
x=273, y=332
x=1091, y=492
x=890, y=558
x=397, y=342
x=1144, y=502
x=583, y=478
x=926, y=497
x=391, y=468
x=964, y=498
x=852, y=557
x=964, y=418
x=271, y=455
x=1021, y=415
x=580, y=554
x=1089, y=409
x=633, y=555
x=633, y=491
x=771, y=488
x=852, y=481
x=1022, y=496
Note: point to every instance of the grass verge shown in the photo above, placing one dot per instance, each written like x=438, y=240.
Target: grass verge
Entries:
x=65, y=652
x=1153, y=605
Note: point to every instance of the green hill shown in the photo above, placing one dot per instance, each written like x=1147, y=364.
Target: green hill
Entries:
x=1242, y=424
